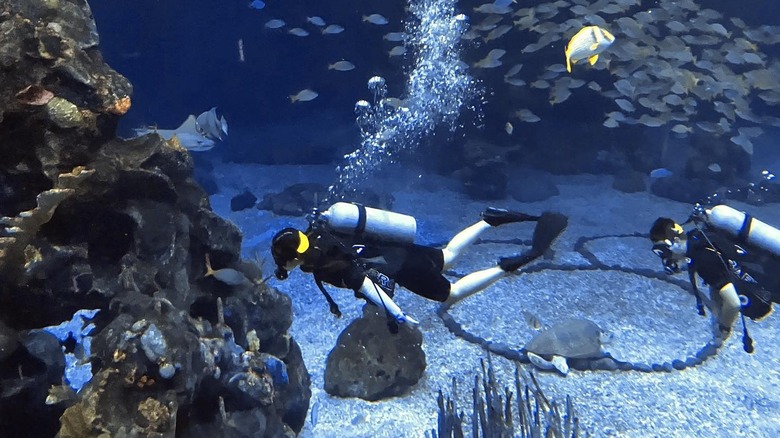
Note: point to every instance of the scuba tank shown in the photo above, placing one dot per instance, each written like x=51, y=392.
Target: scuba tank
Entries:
x=744, y=227
x=372, y=223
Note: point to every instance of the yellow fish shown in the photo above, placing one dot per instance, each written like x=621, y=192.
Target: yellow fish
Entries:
x=587, y=44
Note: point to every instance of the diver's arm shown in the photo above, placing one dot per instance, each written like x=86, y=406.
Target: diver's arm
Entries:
x=334, y=308
x=377, y=295
x=696, y=292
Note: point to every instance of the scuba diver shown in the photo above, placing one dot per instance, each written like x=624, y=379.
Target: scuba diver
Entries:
x=736, y=255
x=369, y=251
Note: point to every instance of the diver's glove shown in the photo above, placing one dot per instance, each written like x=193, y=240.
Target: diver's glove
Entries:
x=403, y=318
x=395, y=321
x=378, y=296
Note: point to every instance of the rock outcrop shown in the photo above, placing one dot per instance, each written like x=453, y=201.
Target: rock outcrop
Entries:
x=90, y=221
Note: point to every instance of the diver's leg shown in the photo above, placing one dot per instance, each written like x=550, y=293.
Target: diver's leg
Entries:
x=461, y=240
x=491, y=217
x=476, y=281
x=473, y=283
x=729, y=307
x=548, y=228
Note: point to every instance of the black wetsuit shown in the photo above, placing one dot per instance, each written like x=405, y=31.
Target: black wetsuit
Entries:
x=718, y=261
x=345, y=261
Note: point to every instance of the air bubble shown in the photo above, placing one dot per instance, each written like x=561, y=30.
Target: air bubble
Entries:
x=437, y=87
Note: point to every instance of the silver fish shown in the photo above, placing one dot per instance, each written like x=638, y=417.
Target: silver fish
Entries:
x=315, y=20
x=625, y=105
x=341, y=66
x=526, y=115
x=274, y=24
x=228, y=276
x=397, y=51
x=492, y=60
x=395, y=37
x=332, y=29
x=375, y=19
x=297, y=31
x=304, y=96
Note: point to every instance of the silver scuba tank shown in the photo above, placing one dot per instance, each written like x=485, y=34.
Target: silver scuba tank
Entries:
x=358, y=220
x=744, y=227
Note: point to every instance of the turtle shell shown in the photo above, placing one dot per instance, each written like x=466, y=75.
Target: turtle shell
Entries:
x=574, y=338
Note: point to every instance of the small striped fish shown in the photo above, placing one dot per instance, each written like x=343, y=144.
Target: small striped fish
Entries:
x=587, y=44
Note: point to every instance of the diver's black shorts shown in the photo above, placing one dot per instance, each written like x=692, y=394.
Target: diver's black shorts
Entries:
x=415, y=267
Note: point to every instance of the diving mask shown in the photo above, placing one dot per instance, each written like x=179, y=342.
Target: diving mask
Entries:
x=669, y=243
x=663, y=249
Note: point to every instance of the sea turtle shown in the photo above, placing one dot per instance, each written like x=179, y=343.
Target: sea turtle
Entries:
x=571, y=339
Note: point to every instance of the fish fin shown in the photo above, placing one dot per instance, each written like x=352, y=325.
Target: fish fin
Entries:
x=189, y=125
x=559, y=362
x=568, y=60
x=209, y=270
x=195, y=142
x=538, y=362
x=209, y=124
x=592, y=60
x=594, y=46
x=205, y=117
x=223, y=126
x=166, y=134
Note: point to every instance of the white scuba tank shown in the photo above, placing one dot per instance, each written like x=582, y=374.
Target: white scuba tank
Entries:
x=755, y=232
x=355, y=219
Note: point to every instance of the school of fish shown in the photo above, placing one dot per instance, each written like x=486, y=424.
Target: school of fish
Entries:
x=675, y=64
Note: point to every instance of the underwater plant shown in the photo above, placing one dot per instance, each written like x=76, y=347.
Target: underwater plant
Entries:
x=495, y=416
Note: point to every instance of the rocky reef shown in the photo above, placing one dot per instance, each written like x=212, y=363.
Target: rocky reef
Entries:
x=90, y=221
x=372, y=363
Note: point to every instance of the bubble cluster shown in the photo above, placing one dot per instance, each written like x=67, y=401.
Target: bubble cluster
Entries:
x=757, y=193
x=437, y=87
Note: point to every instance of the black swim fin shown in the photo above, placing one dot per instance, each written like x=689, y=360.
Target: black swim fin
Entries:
x=499, y=216
x=548, y=228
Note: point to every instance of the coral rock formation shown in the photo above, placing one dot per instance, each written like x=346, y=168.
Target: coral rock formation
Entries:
x=371, y=363
x=89, y=221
